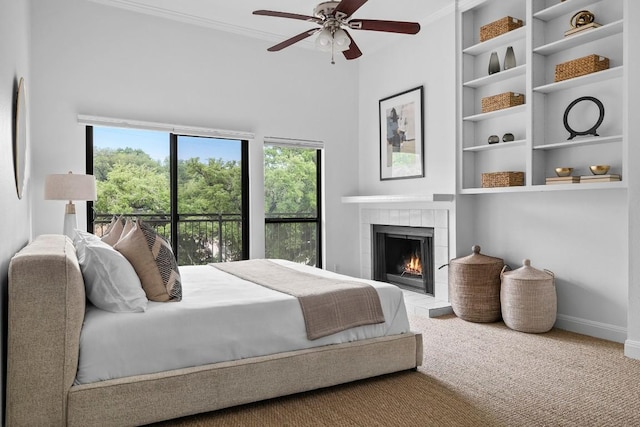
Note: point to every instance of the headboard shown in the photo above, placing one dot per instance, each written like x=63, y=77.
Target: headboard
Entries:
x=45, y=315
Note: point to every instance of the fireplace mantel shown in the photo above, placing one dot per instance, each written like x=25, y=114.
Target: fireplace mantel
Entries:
x=399, y=198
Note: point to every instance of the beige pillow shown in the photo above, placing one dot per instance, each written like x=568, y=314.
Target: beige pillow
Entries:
x=128, y=225
x=154, y=262
x=114, y=231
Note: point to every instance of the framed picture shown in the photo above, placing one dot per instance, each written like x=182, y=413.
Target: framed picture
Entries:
x=401, y=136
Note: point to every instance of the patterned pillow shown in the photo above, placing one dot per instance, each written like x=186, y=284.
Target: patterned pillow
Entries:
x=154, y=262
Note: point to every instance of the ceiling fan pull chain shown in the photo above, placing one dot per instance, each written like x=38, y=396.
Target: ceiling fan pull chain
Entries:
x=332, y=50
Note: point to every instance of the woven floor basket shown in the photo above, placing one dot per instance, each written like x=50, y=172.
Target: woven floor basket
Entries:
x=528, y=299
x=474, y=287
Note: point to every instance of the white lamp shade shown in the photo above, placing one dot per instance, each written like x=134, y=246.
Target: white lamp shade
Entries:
x=341, y=40
x=324, y=40
x=69, y=186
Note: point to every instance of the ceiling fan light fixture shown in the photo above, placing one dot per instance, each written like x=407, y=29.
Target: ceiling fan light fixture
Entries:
x=341, y=40
x=324, y=40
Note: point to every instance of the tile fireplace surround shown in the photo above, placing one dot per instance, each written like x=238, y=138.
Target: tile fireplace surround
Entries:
x=392, y=213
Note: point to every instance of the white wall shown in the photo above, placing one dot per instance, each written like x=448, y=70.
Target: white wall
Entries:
x=426, y=59
x=14, y=213
x=98, y=60
x=580, y=235
x=632, y=345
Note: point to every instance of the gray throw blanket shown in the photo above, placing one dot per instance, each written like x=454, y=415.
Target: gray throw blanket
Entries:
x=328, y=305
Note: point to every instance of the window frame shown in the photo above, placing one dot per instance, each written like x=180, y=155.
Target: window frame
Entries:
x=173, y=186
x=319, y=208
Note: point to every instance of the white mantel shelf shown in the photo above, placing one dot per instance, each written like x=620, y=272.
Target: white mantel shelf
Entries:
x=399, y=198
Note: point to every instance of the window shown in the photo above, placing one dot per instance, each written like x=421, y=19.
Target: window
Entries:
x=292, y=204
x=192, y=190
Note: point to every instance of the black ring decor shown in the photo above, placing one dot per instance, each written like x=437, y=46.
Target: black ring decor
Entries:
x=594, y=128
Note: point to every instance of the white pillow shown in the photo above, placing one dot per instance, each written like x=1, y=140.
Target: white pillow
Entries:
x=110, y=281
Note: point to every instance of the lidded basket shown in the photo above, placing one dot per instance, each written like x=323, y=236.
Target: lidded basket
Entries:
x=474, y=287
x=529, y=300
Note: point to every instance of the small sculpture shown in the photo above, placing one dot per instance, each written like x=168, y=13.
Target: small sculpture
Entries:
x=581, y=20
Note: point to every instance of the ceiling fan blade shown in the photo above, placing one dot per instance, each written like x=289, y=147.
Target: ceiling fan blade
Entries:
x=293, y=40
x=354, y=51
x=286, y=15
x=346, y=8
x=386, y=26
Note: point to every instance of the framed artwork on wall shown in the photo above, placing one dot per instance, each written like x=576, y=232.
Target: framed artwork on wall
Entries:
x=401, y=135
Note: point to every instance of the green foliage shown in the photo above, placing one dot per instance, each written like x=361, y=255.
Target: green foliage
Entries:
x=214, y=187
x=210, y=200
x=133, y=188
x=289, y=182
x=104, y=159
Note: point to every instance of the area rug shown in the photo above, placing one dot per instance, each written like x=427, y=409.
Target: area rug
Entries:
x=473, y=374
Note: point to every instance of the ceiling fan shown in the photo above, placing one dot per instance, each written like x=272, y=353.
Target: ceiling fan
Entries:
x=333, y=17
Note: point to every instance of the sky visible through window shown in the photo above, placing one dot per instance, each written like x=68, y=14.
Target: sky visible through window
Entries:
x=156, y=144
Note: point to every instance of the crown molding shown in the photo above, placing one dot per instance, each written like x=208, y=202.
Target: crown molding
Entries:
x=135, y=6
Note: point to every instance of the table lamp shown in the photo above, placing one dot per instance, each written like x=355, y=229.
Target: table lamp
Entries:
x=69, y=187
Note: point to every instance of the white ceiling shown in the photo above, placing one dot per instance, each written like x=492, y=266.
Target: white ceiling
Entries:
x=236, y=16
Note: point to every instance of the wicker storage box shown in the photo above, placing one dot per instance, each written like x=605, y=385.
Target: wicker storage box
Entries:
x=502, y=179
x=501, y=26
x=474, y=287
x=580, y=67
x=501, y=100
x=528, y=299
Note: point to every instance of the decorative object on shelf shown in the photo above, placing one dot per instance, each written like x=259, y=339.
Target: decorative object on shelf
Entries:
x=587, y=179
x=580, y=21
x=402, y=135
x=69, y=186
x=563, y=171
x=502, y=100
x=499, y=27
x=494, y=63
x=599, y=169
x=474, y=286
x=502, y=179
x=508, y=137
x=493, y=139
x=591, y=131
x=528, y=299
x=20, y=137
x=509, y=58
x=581, y=67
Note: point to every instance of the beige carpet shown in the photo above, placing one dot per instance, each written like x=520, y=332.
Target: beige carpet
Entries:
x=473, y=375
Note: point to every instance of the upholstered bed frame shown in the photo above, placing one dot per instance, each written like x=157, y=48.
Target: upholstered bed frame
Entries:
x=46, y=311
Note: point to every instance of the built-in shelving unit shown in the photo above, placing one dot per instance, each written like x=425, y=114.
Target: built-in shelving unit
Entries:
x=541, y=140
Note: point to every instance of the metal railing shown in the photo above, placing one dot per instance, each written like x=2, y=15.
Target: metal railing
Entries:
x=217, y=237
x=202, y=238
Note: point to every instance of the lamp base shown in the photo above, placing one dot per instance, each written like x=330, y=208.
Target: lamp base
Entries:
x=70, y=225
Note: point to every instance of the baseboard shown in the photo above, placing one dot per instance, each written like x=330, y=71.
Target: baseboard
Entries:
x=593, y=329
x=632, y=349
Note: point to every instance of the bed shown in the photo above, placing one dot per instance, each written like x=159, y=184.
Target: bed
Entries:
x=50, y=380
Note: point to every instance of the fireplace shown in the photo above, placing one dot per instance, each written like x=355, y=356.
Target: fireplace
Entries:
x=403, y=256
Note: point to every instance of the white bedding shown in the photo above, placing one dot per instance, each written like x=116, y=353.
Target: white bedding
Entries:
x=220, y=318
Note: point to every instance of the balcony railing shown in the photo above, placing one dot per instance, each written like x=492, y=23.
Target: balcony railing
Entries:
x=202, y=238
x=217, y=237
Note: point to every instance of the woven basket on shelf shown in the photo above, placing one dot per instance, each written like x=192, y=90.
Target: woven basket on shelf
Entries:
x=502, y=179
x=528, y=299
x=499, y=27
x=581, y=67
x=501, y=100
x=474, y=287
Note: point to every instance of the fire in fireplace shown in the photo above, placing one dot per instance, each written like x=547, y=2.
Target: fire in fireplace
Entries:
x=403, y=256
